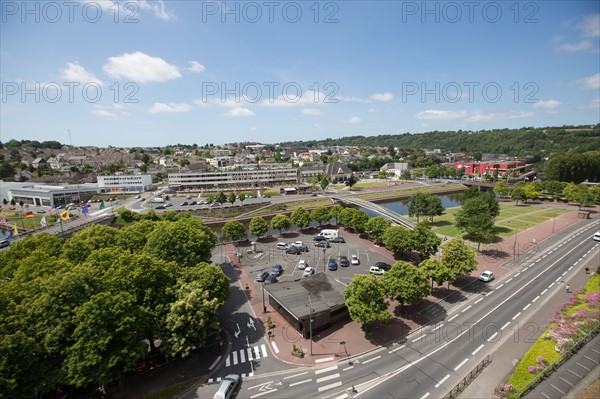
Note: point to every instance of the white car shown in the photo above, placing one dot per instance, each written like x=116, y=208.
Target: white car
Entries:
x=309, y=271
x=376, y=270
x=486, y=276
x=354, y=260
x=302, y=264
x=597, y=236
x=282, y=245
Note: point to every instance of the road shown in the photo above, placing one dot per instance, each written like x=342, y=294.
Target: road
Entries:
x=432, y=361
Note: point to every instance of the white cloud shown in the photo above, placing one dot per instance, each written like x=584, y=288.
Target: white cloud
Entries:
x=196, y=67
x=474, y=116
x=590, y=25
x=201, y=103
x=382, y=96
x=547, y=104
x=373, y=110
x=141, y=68
x=354, y=120
x=575, y=47
x=170, y=108
x=441, y=115
x=131, y=12
x=353, y=99
x=104, y=113
x=590, y=82
x=311, y=111
x=157, y=8
x=73, y=72
x=253, y=129
x=239, y=111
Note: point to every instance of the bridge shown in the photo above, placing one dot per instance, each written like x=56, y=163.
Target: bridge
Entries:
x=386, y=213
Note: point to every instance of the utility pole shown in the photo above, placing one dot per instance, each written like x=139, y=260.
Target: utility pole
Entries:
x=310, y=311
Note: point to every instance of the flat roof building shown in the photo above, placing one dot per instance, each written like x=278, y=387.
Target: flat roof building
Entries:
x=125, y=183
x=46, y=195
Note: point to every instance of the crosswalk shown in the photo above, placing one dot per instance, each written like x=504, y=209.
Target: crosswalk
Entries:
x=246, y=355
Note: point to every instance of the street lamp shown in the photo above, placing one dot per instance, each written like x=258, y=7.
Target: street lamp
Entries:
x=263, y=297
x=310, y=322
x=324, y=260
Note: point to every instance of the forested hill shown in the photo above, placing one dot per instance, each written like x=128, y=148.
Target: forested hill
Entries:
x=514, y=142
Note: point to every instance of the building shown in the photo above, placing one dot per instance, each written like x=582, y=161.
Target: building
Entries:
x=46, y=195
x=397, y=168
x=233, y=179
x=125, y=183
x=485, y=167
x=320, y=293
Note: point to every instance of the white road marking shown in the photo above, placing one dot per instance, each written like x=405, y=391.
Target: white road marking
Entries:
x=275, y=348
x=242, y=356
x=300, y=382
x=465, y=309
x=535, y=299
x=477, y=350
x=424, y=396
x=398, y=348
x=328, y=377
x=500, y=286
x=262, y=393
x=438, y=327
x=347, y=368
x=461, y=364
x=330, y=386
x=543, y=292
x=517, y=315
x=249, y=350
x=371, y=359
x=509, y=280
x=504, y=326
x=477, y=301
x=442, y=380
x=517, y=274
x=551, y=285
x=214, y=363
x=492, y=337
x=227, y=362
x=325, y=370
x=525, y=308
x=453, y=317
x=295, y=375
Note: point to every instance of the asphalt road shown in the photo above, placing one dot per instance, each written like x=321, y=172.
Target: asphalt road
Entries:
x=430, y=362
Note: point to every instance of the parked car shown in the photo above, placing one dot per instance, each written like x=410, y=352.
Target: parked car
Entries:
x=293, y=250
x=319, y=238
x=338, y=239
x=383, y=266
x=4, y=243
x=344, y=261
x=309, y=271
x=354, y=260
x=271, y=279
x=277, y=271
x=302, y=248
x=168, y=204
x=262, y=275
x=193, y=203
x=597, y=236
x=184, y=203
x=376, y=270
x=302, y=264
x=282, y=245
x=332, y=264
x=322, y=244
x=298, y=244
x=486, y=276
x=160, y=207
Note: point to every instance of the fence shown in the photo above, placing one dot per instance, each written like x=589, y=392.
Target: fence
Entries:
x=458, y=388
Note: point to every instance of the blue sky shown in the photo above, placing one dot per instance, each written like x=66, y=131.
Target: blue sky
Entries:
x=153, y=73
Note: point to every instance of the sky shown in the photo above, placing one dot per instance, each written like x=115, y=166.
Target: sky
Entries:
x=156, y=73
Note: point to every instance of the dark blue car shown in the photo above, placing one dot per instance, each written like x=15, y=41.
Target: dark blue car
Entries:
x=332, y=264
x=277, y=270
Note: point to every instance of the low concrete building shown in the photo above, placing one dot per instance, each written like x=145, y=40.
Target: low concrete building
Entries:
x=320, y=293
x=125, y=183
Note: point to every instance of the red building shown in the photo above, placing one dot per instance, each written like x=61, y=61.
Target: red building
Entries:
x=483, y=168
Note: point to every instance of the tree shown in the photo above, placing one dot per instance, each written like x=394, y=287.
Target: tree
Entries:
x=475, y=218
x=186, y=242
x=502, y=188
x=335, y=212
x=258, y=226
x=518, y=194
x=320, y=214
x=365, y=299
x=233, y=230
x=424, y=241
x=406, y=283
x=351, y=181
x=458, y=257
x=406, y=175
x=324, y=181
x=134, y=237
x=436, y=271
x=242, y=197
x=82, y=243
x=221, y=198
x=281, y=222
x=231, y=198
x=398, y=239
x=359, y=221
x=105, y=341
x=434, y=206
x=418, y=205
x=530, y=191
x=376, y=227
x=554, y=189
x=346, y=216
x=300, y=217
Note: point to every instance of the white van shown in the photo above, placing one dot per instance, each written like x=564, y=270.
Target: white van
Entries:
x=228, y=386
x=158, y=200
x=329, y=233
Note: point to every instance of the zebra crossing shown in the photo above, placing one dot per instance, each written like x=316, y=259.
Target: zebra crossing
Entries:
x=246, y=355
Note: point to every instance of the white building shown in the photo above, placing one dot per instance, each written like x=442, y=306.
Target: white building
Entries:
x=125, y=183
x=397, y=168
x=233, y=179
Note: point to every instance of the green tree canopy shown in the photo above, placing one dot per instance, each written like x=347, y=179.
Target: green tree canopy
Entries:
x=406, y=283
x=365, y=299
x=436, y=271
x=320, y=214
x=258, y=226
x=376, y=227
x=424, y=241
x=359, y=221
x=398, y=239
x=281, y=222
x=475, y=218
x=233, y=230
x=300, y=217
x=346, y=216
x=458, y=257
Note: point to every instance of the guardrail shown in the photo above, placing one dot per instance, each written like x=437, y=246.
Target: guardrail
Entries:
x=458, y=388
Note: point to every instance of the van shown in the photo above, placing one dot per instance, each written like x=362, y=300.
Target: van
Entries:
x=228, y=386
x=328, y=233
x=158, y=200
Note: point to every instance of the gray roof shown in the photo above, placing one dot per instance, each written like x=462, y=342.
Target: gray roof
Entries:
x=325, y=294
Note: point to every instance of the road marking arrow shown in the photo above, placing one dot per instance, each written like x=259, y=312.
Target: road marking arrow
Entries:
x=251, y=324
x=237, y=333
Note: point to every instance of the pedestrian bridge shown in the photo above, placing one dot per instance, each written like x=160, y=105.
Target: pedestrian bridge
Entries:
x=386, y=213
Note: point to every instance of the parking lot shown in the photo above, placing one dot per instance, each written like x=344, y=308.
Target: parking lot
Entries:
x=264, y=254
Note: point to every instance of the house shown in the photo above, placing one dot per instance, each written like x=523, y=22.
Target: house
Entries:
x=397, y=168
x=39, y=163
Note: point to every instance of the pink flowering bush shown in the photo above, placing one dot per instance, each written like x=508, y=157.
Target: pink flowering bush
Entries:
x=567, y=327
